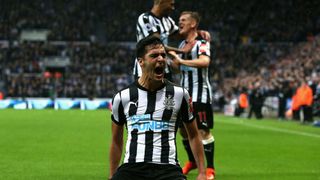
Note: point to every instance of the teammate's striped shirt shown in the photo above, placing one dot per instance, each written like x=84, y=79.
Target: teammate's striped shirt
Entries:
x=196, y=80
x=151, y=119
x=148, y=24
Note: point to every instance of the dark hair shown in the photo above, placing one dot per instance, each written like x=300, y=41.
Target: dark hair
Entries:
x=143, y=43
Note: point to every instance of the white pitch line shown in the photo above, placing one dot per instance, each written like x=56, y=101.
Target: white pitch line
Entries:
x=241, y=122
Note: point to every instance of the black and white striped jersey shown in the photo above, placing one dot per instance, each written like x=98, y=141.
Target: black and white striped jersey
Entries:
x=148, y=24
x=151, y=119
x=196, y=80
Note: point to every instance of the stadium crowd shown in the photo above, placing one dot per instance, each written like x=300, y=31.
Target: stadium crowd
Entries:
x=94, y=72
x=268, y=46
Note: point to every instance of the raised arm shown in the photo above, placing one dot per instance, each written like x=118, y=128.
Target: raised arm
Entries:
x=205, y=35
x=202, y=62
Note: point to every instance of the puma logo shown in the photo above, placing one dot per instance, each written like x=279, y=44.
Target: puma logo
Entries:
x=133, y=103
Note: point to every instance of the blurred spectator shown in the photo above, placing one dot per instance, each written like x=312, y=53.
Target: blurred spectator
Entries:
x=256, y=100
x=1, y=95
x=243, y=102
x=305, y=99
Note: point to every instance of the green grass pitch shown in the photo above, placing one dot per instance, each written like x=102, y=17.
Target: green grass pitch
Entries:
x=74, y=145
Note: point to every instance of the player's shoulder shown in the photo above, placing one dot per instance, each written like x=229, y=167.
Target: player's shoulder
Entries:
x=177, y=87
x=145, y=15
x=121, y=91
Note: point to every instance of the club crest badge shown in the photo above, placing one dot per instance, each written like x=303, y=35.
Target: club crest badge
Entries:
x=169, y=102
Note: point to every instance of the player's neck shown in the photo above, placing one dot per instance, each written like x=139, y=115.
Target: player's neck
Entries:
x=156, y=11
x=150, y=84
x=191, y=36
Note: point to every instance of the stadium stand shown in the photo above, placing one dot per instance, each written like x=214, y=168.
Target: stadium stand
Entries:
x=83, y=48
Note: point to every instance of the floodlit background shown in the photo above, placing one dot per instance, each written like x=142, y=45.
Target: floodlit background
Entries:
x=59, y=59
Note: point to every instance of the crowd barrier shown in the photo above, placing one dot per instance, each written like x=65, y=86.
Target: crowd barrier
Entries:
x=57, y=104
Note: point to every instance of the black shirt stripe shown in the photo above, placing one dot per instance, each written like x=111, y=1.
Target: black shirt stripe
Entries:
x=183, y=77
x=122, y=116
x=165, y=146
x=190, y=83
x=151, y=103
x=149, y=146
x=200, y=85
x=133, y=146
x=133, y=90
x=208, y=96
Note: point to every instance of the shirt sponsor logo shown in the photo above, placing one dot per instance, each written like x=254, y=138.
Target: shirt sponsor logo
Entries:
x=135, y=118
x=150, y=126
x=144, y=123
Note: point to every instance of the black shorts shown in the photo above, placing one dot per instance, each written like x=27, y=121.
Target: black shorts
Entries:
x=204, y=115
x=142, y=171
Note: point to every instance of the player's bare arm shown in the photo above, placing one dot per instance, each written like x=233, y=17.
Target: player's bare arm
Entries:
x=202, y=62
x=116, y=148
x=197, y=148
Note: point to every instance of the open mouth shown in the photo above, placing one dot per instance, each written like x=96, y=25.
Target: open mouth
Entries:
x=159, y=70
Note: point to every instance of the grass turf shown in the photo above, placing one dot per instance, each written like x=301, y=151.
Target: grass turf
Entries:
x=74, y=145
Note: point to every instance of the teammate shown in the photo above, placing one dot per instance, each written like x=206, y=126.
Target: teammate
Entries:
x=149, y=109
x=194, y=77
x=158, y=22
